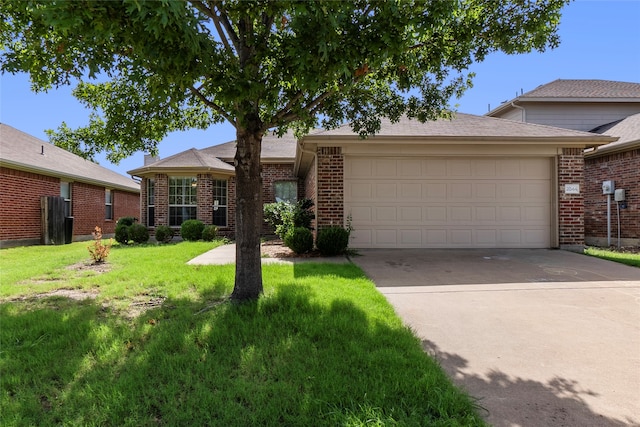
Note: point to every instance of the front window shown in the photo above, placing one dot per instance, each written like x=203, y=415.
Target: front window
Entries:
x=183, y=204
x=286, y=191
x=151, y=203
x=65, y=193
x=108, y=202
x=220, y=203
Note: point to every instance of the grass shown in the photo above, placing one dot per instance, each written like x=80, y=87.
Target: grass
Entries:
x=627, y=258
x=158, y=344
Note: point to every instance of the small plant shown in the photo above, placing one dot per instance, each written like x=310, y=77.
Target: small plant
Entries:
x=209, y=233
x=138, y=233
x=98, y=250
x=283, y=216
x=164, y=234
x=122, y=234
x=332, y=240
x=192, y=229
x=299, y=240
x=126, y=220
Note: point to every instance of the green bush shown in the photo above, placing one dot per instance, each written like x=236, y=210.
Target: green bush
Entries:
x=122, y=234
x=209, y=233
x=299, y=240
x=138, y=233
x=332, y=241
x=126, y=220
x=191, y=229
x=164, y=234
x=284, y=216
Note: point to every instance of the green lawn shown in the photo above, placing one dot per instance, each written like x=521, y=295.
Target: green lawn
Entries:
x=628, y=258
x=158, y=344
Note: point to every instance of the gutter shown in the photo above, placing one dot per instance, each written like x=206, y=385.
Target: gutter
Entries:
x=521, y=108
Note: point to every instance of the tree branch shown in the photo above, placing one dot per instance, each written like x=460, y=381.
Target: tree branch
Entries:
x=213, y=105
x=222, y=18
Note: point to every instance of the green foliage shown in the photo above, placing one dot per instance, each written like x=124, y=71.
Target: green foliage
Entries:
x=299, y=240
x=332, y=241
x=164, y=234
x=628, y=256
x=138, y=233
x=122, y=234
x=98, y=250
x=283, y=216
x=126, y=220
x=209, y=233
x=191, y=230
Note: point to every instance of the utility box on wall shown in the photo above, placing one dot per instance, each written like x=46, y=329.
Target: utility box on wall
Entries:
x=608, y=187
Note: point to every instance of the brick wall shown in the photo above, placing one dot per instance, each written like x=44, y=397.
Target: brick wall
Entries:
x=161, y=199
x=205, y=198
x=330, y=184
x=20, y=217
x=272, y=173
x=309, y=191
x=624, y=169
x=20, y=221
x=571, y=206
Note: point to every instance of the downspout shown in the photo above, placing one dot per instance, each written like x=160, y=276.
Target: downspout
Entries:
x=524, y=113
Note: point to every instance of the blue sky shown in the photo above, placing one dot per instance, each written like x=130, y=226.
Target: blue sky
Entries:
x=600, y=39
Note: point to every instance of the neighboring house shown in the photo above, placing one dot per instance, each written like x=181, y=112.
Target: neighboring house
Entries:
x=31, y=168
x=603, y=107
x=464, y=183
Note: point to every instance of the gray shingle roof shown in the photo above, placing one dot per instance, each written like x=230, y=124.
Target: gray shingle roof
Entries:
x=192, y=159
x=627, y=129
x=22, y=151
x=462, y=126
x=273, y=147
x=584, y=89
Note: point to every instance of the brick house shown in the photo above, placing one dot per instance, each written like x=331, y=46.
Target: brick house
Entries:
x=469, y=182
x=602, y=107
x=31, y=168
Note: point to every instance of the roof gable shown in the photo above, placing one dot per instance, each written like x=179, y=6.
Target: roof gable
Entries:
x=25, y=152
x=628, y=132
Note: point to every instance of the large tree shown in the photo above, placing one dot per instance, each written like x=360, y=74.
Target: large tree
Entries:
x=147, y=68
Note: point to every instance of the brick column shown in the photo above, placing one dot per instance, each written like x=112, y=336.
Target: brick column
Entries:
x=330, y=197
x=143, y=202
x=162, y=199
x=205, y=198
x=571, y=206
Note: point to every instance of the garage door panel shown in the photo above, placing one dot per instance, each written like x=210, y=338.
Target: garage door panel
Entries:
x=435, y=202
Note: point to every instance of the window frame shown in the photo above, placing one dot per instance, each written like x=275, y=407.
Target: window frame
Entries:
x=276, y=184
x=183, y=200
x=220, y=201
x=108, y=203
x=67, y=200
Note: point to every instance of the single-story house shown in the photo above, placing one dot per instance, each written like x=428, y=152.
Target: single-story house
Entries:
x=31, y=168
x=603, y=107
x=470, y=182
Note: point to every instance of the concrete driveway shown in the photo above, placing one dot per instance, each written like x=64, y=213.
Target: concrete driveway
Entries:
x=539, y=337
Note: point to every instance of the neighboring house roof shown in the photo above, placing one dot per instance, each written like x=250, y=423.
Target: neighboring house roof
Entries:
x=628, y=132
x=577, y=91
x=19, y=150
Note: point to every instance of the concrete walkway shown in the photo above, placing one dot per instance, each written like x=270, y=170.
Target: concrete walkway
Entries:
x=539, y=337
x=226, y=254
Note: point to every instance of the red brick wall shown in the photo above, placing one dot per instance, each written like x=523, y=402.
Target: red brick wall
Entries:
x=161, y=199
x=330, y=183
x=20, y=218
x=20, y=205
x=571, y=206
x=272, y=173
x=624, y=169
x=309, y=190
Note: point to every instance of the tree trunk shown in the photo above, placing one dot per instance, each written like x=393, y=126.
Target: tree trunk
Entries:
x=248, y=282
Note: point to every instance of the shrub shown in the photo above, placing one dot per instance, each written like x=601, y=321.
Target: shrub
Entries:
x=332, y=241
x=122, y=234
x=164, y=234
x=126, y=220
x=209, y=233
x=191, y=229
x=299, y=240
x=98, y=250
x=138, y=233
x=284, y=216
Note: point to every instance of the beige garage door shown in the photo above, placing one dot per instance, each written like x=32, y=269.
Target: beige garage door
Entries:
x=449, y=202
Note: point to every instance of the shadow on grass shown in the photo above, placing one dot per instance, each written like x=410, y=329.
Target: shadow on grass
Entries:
x=287, y=359
x=512, y=401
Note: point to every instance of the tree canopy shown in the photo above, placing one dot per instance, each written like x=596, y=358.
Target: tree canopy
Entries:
x=147, y=68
